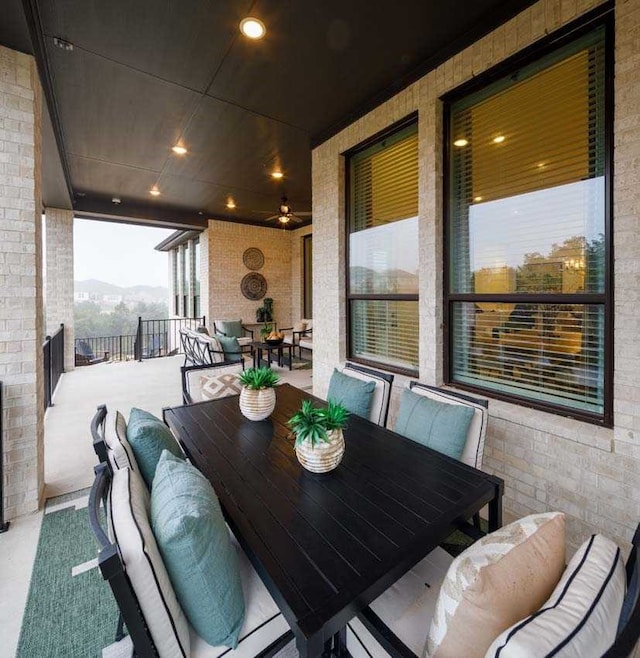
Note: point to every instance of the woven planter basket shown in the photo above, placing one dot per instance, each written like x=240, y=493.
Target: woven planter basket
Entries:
x=257, y=404
x=322, y=457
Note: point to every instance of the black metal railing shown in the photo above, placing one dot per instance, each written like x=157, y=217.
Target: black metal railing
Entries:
x=4, y=525
x=53, y=358
x=156, y=338
x=107, y=348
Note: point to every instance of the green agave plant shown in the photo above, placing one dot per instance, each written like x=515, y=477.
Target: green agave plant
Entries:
x=314, y=423
x=257, y=378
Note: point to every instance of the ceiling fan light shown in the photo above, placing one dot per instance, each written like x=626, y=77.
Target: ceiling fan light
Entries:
x=178, y=149
x=252, y=28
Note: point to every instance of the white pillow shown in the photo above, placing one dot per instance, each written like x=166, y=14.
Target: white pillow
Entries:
x=580, y=619
x=217, y=353
x=115, y=436
x=129, y=515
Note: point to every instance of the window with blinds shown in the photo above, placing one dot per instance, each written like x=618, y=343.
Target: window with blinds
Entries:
x=527, y=256
x=382, y=283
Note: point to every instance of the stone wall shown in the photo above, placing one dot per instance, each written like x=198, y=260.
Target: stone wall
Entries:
x=59, y=279
x=547, y=461
x=21, y=282
x=225, y=243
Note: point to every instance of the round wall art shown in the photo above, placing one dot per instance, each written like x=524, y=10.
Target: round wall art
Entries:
x=253, y=258
x=253, y=286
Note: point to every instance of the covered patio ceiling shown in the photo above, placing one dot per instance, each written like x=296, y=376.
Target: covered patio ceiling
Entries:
x=144, y=76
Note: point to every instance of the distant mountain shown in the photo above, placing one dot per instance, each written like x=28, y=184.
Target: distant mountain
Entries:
x=93, y=286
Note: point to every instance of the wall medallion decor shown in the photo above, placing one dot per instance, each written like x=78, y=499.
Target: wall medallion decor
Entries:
x=253, y=258
x=253, y=286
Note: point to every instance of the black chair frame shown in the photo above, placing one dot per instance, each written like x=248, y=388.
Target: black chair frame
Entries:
x=246, y=349
x=198, y=352
x=113, y=571
x=295, y=339
x=97, y=433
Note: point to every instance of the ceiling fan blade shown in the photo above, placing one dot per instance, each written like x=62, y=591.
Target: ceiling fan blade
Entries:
x=303, y=214
x=268, y=219
x=295, y=219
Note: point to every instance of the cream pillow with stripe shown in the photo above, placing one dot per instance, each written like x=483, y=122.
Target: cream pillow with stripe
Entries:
x=496, y=582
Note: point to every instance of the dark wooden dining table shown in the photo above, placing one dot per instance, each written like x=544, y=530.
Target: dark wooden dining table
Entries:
x=327, y=545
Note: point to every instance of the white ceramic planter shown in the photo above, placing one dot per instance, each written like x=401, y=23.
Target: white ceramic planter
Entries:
x=257, y=404
x=322, y=457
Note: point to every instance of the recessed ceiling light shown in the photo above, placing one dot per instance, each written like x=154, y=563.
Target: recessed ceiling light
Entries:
x=252, y=28
x=478, y=198
x=277, y=174
x=231, y=204
x=154, y=191
x=461, y=142
x=498, y=139
x=178, y=149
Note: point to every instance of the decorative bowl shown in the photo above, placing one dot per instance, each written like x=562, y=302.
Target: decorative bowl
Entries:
x=273, y=341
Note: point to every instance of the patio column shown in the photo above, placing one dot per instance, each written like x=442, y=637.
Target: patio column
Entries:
x=21, y=283
x=59, y=278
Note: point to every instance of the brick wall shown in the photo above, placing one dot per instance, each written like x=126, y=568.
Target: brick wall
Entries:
x=297, y=273
x=21, y=282
x=59, y=278
x=225, y=243
x=547, y=461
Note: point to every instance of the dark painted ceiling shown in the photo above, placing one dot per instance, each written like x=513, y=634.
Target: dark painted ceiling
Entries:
x=144, y=75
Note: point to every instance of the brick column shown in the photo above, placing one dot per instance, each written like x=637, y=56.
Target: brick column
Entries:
x=59, y=279
x=21, y=282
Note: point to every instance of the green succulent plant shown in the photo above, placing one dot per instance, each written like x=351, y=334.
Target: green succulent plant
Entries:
x=257, y=378
x=314, y=423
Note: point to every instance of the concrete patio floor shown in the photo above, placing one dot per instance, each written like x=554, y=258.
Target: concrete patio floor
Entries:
x=69, y=456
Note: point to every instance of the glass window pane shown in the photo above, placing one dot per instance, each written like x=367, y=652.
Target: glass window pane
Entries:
x=548, y=352
x=385, y=332
x=527, y=192
x=384, y=259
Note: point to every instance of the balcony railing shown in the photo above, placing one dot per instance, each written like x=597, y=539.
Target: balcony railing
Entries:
x=53, y=357
x=106, y=348
x=156, y=338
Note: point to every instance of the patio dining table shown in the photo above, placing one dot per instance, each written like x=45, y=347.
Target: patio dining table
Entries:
x=327, y=545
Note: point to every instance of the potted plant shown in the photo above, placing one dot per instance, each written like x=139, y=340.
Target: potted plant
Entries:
x=257, y=396
x=319, y=443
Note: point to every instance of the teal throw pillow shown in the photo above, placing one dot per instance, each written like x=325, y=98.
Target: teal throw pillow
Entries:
x=148, y=437
x=230, y=328
x=197, y=551
x=438, y=425
x=354, y=394
x=230, y=347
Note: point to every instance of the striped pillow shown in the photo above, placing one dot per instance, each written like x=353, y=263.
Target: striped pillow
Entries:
x=129, y=519
x=580, y=619
x=115, y=436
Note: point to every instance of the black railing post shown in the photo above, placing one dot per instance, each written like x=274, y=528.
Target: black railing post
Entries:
x=4, y=525
x=139, y=339
x=62, y=346
x=46, y=354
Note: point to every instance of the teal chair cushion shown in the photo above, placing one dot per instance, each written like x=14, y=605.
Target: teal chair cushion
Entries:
x=148, y=437
x=230, y=347
x=230, y=328
x=438, y=425
x=197, y=551
x=352, y=393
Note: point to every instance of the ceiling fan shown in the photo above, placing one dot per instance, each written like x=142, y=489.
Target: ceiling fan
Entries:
x=285, y=214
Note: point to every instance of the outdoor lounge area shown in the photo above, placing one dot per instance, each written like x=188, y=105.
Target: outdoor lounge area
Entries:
x=394, y=406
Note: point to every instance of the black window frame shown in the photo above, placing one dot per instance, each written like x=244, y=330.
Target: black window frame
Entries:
x=396, y=127
x=601, y=16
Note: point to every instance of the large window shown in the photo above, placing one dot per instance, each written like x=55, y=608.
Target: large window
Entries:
x=526, y=302
x=196, y=278
x=307, y=250
x=382, y=285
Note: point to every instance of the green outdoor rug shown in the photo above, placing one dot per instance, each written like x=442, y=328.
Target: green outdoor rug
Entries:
x=67, y=615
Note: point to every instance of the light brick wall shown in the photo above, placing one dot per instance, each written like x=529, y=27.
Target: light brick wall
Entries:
x=59, y=279
x=547, y=461
x=225, y=243
x=21, y=282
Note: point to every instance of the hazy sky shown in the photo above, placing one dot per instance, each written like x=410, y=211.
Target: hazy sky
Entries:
x=121, y=254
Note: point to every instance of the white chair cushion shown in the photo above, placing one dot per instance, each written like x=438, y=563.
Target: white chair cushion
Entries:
x=381, y=394
x=406, y=607
x=129, y=515
x=244, y=340
x=306, y=342
x=118, y=449
x=197, y=378
x=308, y=322
x=217, y=353
x=580, y=618
x=474, y=447
x=263, y=621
